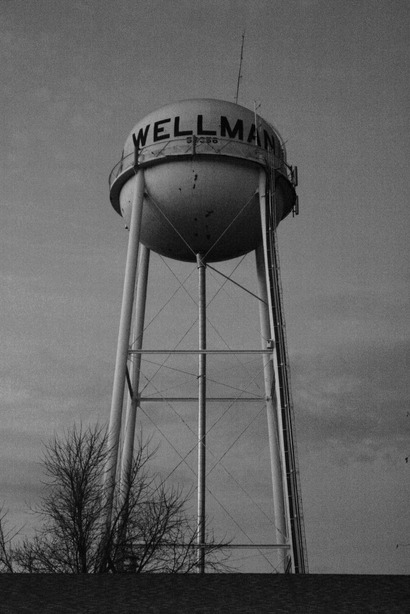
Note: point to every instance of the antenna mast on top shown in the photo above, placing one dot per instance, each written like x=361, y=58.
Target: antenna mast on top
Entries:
x=240, y=69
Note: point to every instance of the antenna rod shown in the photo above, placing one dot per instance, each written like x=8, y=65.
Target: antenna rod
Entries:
x=240, y=69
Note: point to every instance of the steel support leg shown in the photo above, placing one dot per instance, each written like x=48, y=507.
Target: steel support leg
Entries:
x=114, y=428
x=272, y=394
x=133, y=399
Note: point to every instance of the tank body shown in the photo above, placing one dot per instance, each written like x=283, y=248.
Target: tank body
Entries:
x=202, y=160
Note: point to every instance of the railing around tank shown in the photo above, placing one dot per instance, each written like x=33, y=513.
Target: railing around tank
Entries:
x=203, y=145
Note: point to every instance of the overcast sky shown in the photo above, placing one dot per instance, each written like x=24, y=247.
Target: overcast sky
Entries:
x=333, y=77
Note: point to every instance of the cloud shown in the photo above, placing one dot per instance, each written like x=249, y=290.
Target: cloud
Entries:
x=356, y=397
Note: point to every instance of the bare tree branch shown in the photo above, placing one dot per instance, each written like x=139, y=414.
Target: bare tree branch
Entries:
x=149, y=531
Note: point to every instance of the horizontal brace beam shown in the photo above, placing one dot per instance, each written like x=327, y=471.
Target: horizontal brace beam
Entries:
x=257, y=546
x=193, y=399
x=220, y=546
x=142, y=351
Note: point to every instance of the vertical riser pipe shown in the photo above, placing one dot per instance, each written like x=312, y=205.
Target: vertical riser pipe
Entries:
x=201, y=413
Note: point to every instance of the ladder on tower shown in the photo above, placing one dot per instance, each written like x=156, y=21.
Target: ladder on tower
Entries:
x=298, y=538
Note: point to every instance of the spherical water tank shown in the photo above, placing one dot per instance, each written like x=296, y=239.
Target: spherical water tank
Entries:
x=201, y=161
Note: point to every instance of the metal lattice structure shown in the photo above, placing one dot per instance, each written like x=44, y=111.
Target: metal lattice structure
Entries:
x=212, y=191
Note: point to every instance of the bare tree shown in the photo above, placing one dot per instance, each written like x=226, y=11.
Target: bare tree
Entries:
x=150, y=530
x=6, y=540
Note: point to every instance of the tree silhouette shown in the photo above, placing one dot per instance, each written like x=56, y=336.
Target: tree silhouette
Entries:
x=150, y=530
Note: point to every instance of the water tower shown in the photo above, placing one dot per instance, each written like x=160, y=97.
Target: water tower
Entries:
x=204, y=181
